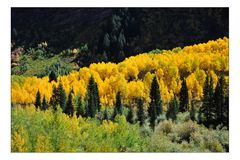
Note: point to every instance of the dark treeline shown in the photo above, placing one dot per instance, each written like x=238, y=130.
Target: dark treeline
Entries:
x=111, y=34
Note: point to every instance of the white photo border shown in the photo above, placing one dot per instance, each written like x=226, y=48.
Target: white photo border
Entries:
x=5, y=72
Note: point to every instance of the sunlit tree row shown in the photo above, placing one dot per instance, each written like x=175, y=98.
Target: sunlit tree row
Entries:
x=133, y=76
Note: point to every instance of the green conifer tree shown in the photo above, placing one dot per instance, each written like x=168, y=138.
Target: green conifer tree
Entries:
x=193, y=111
x=105, y=115
x=55, y=98
x=114, y=114
x=38, y=100
x=200, y=120
x=226, y=111
x=130, y=116
x=62, y=96
x=106, y=43
x=52, y=76
x=152, y=114
x=184, y=101
x=119, y=103
x=172, y=109
x=91, y=98
x=155, y=107
x=208, y=109
x=96, y=96
x=69, y=107
x=140, y=112
x=44, y=103
x=80, y=107
x=219, y=99
x=118, y=106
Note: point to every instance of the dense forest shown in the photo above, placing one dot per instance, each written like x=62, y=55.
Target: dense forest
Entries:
x=120, y=80
x=111, y=34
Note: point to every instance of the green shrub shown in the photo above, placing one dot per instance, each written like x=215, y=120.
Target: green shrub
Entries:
x=145, y=130
x=62, y=131
x=156, y=51
x=210, y=140
x=53, y=131
x=186, y=129
x=161, y=143
x=38, y=53
x=23, y=64
x=71, y=134
x=183, y=117
x=59, y=68
x=177, y=49
x=166, y=127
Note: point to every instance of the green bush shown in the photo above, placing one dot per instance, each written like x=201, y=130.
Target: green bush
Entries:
x=166, y=127
x=59, y=68
x=186, y=129
x=187, y=137
x=183, y=117
x=23, y=64
x=71, y=134
x=156, y=51
x=161, y=143
x=62, y=132
x=210, y=140
x=53, y=131
x=38, y=53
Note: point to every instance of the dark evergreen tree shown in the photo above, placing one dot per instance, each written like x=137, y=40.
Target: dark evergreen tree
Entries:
x=80, y=107
x=106, y=43
x=221, y=102
x=152, y=114
x=114, y=114
x=55, y=98
x=172, y=109
x=118, y=30
x=155, y=107
x=91, y=98
x=192, y=112
x=96, y=97
x=155, y=96
x=118, y=106
x=226, y=111
x=90, y=110
x=44, y=103
x=130, y=116
x=105, y=115
x=184, y=101
x=114, y=27
x=62, y=96
x=58, y=97
x=118, y=103
x=69, y=107
x=200, y=120
x=38, y=100
x=121, y=43
x=219, y=99
x=140, y=112
x=208, y=109
x=52, y=76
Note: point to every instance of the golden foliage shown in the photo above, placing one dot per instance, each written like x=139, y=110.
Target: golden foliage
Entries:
x=43, y=144
x=133, y=76
x=109, y=126
x=19, y=141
